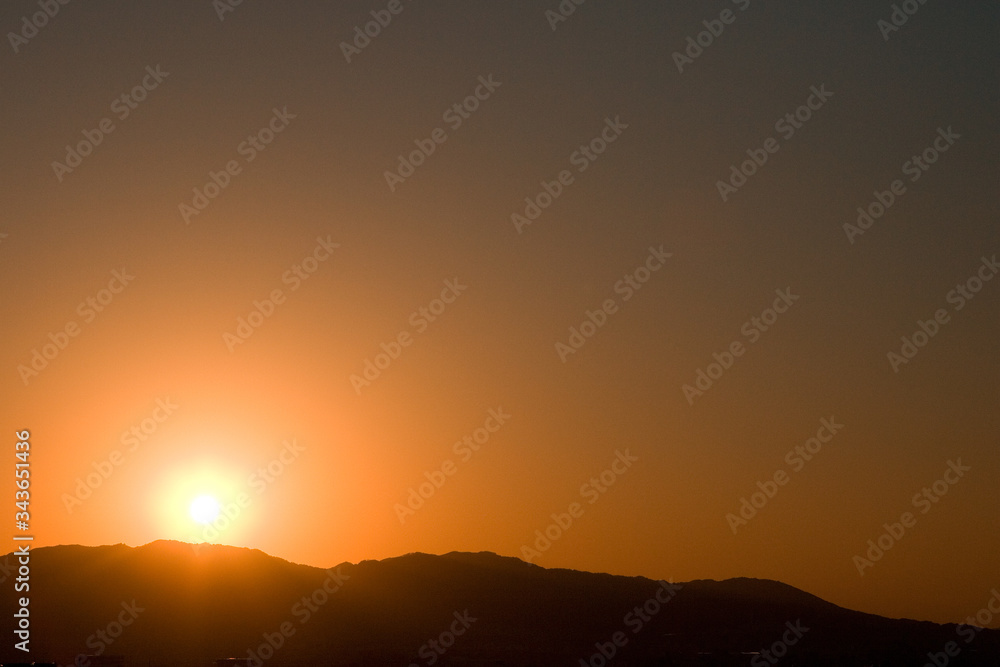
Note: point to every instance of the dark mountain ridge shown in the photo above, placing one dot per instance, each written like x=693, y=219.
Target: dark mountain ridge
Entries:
x=171, y=603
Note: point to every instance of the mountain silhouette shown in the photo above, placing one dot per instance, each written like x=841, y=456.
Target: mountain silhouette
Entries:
x=177, y=604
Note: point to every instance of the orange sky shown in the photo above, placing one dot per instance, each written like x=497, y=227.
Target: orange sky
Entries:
x=469, y=307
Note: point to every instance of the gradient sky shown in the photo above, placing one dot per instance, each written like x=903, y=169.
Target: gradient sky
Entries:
x=322, y=177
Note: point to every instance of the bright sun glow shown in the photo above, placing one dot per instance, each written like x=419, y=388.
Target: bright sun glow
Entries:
x=189, y=501
x=204, y=509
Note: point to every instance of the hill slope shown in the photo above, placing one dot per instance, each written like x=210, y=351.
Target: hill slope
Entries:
x=169, y=603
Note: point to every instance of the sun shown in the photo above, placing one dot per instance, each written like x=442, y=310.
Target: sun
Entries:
x=204, y=509
x=203, y=501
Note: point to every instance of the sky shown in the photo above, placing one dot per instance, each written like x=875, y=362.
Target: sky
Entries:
x=681, y=290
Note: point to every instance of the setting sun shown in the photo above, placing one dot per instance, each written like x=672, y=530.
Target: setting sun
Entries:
x=204, y=509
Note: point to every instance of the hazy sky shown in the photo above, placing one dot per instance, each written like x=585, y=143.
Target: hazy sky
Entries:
x=258, y=203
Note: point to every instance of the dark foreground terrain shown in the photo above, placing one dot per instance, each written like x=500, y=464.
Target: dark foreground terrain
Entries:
x=167, y=603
